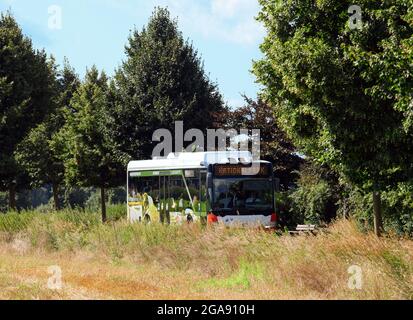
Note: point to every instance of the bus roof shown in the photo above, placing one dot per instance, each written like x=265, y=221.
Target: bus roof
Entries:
x=191, y=160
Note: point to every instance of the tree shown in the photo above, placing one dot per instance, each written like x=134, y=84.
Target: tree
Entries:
x=26, y=90
x=37, y=154
x=162, y=81
x=275, y=146
x=89, y=154
x=343, y=95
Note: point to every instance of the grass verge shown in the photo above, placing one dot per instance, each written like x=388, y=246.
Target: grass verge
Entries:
x=122, y=261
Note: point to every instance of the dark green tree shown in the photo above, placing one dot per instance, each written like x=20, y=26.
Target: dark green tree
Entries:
x=161, y=81
x=37, y=154
x=89, y=152
x=343, y=95
x=26, y=92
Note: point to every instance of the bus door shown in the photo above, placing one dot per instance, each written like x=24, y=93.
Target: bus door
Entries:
x=181, y=197
x=171, y=196
x=177, y=199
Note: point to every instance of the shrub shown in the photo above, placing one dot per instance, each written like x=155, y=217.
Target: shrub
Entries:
x=314, y=200
x=397, y=209
x=117, y=195
x=310, y=202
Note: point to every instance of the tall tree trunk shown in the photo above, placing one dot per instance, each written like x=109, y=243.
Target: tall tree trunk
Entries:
x=378, y=222
x=12, y=197
x=55, y=188
x=103, y=202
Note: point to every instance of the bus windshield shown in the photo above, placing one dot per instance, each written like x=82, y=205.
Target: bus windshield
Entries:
x=242, y=196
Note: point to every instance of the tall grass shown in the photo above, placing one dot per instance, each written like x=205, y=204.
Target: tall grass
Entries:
x=17, y=221
x=232, y=262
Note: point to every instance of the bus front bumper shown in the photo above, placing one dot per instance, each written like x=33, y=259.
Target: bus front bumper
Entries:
x=256, y=221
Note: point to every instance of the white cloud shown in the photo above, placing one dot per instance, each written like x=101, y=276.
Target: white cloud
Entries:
x=228, y=20
x=229, y=8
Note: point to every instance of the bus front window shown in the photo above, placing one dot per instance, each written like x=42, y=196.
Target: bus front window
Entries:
x=243, y=196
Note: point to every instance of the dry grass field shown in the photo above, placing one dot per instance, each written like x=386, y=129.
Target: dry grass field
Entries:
x=122, y=261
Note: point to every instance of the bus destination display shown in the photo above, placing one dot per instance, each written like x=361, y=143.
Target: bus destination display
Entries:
x=228, y=170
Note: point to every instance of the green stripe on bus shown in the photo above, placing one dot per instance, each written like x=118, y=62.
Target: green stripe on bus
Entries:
x=158, y=173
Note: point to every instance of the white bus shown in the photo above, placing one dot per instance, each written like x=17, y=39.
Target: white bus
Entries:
x=202, y=186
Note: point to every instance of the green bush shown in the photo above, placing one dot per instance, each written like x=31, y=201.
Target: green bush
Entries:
x=310, y=201
x=287, y=219
x=77, y=197
x=117, y=195
x=26, y=199
x=41, y=199
x=314, y=200
x=397, y=207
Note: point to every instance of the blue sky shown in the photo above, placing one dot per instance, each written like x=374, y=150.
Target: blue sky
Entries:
x=96, y=31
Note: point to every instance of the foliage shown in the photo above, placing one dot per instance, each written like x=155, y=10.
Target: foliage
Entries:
x=117, y=195
x=76, y=197
x=330, y=85
x=274, y=146
x=37, y=154
x=314, y=200
x=344, y=96
x=397, y=209
x=162, y=81
x=26, y=91
x=89, y=153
